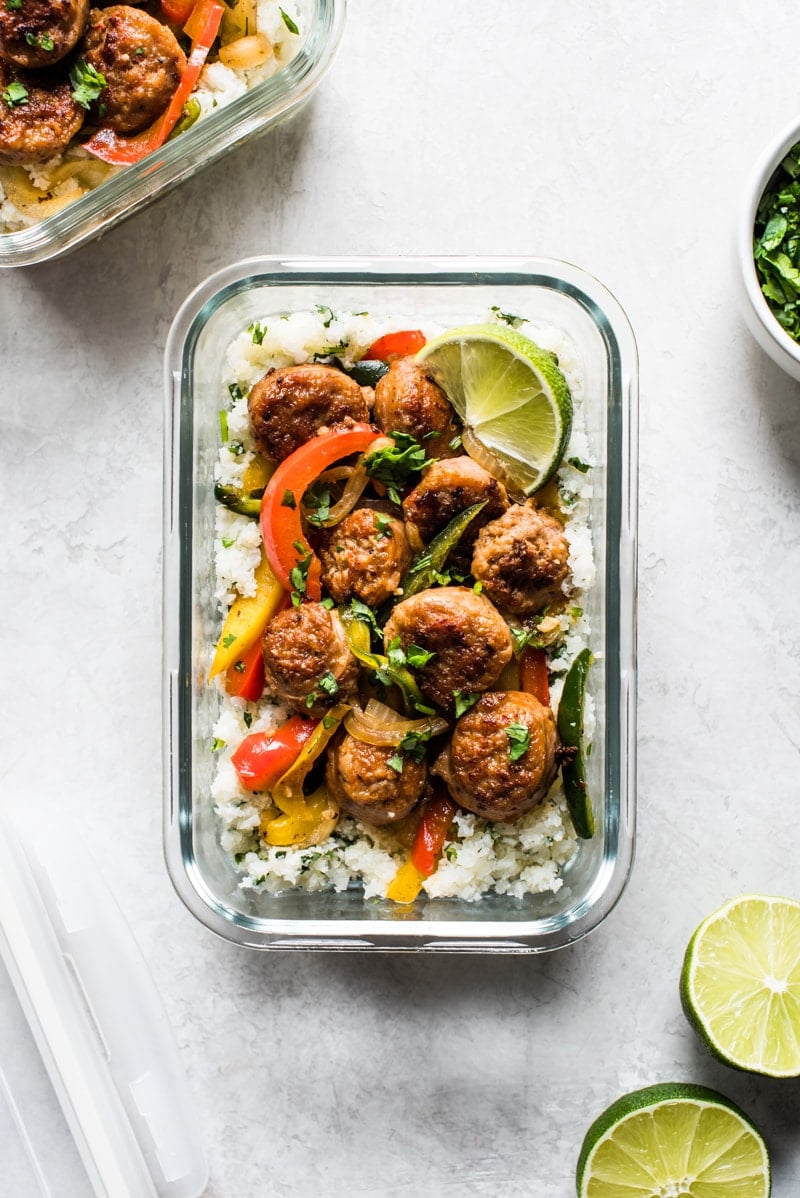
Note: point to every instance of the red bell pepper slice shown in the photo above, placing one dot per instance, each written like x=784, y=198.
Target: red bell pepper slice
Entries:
x=245, y=678
x=285, y=544
x=533, y=674
x=177, y=12
x=202, y=26
x=396, y=345
x=432, y=832
x=262, y=759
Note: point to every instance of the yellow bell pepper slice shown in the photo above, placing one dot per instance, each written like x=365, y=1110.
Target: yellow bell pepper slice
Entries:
x=406, y=883
x=247, y=618
x=287, y=794
x=302, y=829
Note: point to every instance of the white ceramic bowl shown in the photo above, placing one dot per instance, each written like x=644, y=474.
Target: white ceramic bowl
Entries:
x=757, y=314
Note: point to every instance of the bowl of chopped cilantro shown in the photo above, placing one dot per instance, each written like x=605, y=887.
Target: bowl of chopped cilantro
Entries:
x=768, y=250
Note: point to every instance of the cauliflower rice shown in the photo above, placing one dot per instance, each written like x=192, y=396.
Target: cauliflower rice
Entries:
x=517, y=859
x=29, y=194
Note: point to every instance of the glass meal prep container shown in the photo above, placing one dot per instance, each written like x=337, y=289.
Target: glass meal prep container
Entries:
x=447, y=292
x=260, y=108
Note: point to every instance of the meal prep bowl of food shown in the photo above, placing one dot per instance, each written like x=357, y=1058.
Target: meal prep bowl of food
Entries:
x=104, y=108
x=399, y=603
x=768, y=250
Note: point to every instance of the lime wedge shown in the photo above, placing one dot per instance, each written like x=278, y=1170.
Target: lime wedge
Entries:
x=740, y=984
x=673, y=1141
x=511, y=396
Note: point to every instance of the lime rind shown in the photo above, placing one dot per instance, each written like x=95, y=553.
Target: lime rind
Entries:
x=740, y=984
x=511, y=396
x=669, y=1135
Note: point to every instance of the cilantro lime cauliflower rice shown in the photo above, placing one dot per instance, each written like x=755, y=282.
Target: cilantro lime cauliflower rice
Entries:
x=396, y=617
x=110, y=100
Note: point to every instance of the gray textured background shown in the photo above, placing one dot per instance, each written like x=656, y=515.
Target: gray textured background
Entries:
x=616, y=136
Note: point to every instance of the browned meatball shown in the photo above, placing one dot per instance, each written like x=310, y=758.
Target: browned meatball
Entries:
x=407, y=401
x=364, y=785
x=365, y=556
x=141, y=62
x=447, y=488
x=477, y=764
x=39, y=123
x=290, y=406
x=522, y=560
x=41, y=32
x=307, y=661
x=468, y=637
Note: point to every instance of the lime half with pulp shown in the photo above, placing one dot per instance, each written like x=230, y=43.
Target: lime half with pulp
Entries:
x=740, y=984
x=673, y=1141
x=512, y=397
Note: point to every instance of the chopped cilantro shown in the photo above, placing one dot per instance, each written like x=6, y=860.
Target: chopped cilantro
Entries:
x=413, y=744
x=451, y=852
x=359, y=611
x=288, y=22
x=299, y=577
x=509, y=318
x=227, y=542
x=323, y=309
x=257, y=331
x=328, y=684
x=383, y=525
x=463, y=702
x=327, y=603
x=16, y=93
x=455, y=443
x=318, y=499
x=248, y=719
x=288, y=499
x=519, y=741
x=240, y=667
x=228, y=640
x=584, y=467
x=217, y=744
x=395, y=465
x=236, y=448
x=329, y=721
x=521, y=638
x=477, y=587
x=140, y=51
x=396, y=762
x=236, y=391
x=13, y=5
x=418, y=657
x=87, y=83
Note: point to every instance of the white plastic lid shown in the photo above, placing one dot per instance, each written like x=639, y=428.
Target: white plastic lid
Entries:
x=93, y=1097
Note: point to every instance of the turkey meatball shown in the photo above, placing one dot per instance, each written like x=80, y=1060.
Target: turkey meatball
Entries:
x=362, y=782
x=478, y=767
x=41, y=122
x=290, y=406
x=141, y=62
x=39, y=33
x=467, y=636
x=407, y=401
x=365, y=556
x=447, y=488
x=307, y=661
x=522, y=560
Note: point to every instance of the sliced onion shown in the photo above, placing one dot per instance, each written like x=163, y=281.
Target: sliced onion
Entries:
x=350, y=497
x=491, y=461
x=378, y=724
x=246, y=52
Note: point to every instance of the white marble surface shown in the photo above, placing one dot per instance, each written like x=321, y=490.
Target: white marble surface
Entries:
x=614, y=135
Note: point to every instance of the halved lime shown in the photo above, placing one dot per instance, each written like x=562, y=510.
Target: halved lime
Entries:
x=514, y=401
x=673, y=1141
x=740, y=984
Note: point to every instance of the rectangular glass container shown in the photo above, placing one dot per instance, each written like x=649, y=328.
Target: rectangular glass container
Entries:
x=448, y=292
x=248, y=116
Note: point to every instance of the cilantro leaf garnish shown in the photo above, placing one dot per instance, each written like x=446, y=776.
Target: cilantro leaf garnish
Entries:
x=16, y=93
x=87, y=83
x=519, y=738
x=396, y=762
x=463, y=702
x=395, y=465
